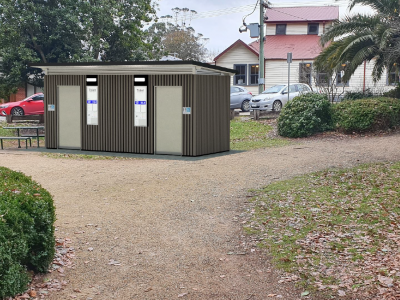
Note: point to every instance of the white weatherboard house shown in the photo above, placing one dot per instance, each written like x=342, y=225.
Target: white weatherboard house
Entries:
x=296, y=30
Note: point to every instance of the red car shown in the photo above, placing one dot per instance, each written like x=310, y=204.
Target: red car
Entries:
x=32, y=105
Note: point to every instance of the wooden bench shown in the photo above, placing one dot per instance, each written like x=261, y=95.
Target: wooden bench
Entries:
x=19, y=138
x=39, y=118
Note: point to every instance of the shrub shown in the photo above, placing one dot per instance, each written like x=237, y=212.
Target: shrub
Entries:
x=394, y=93
x=13, y=276
x=358, y=95
x=305, y=115
x=27, y=216
x=367, y=114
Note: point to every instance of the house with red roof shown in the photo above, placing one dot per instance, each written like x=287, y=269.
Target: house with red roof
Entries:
x=296, y=30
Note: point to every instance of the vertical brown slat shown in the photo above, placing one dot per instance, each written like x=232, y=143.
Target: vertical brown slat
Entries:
x=51, y=87
x=211, y=116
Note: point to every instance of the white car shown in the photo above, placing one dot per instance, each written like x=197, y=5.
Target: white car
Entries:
x=240, y=98
x=275, y=97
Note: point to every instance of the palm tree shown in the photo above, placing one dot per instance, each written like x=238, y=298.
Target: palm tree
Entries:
x=361, y=37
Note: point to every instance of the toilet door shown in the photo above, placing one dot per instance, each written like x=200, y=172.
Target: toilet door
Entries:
x=69, y=117
x=168, y=120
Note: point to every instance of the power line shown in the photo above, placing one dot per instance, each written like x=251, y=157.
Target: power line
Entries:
x=255, y=7
x=241, y=9
x=310, y=3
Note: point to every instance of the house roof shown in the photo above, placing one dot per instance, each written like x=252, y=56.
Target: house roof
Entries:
x=302, y=14
x=237, y=43
x=135, y=67
x=301, y=46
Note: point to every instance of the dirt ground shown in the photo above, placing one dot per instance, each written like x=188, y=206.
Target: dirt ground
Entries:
x=174, y=226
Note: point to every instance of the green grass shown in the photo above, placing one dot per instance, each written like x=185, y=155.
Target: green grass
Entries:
x=245, y=135
x=249, y=134
x=334, y=226
x=5, y=132
x=9, y=132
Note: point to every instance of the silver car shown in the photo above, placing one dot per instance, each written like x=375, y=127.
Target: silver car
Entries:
x=240, y=98
x=275, y=97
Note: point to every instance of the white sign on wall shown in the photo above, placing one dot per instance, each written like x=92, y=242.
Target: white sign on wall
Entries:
x=92, y=105
x=140, y=106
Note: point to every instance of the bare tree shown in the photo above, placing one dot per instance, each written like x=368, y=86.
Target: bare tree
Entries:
x=185, y=44
x=330, y=83
x=326, y=81
x=173, y=34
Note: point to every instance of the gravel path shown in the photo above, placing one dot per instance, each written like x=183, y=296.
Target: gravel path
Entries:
x=171, y=224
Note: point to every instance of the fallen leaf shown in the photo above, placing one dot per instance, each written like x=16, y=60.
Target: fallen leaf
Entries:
x=306, y=293
x=385, y=280
x=32, y=293
x=341, y=293
x=271, y=295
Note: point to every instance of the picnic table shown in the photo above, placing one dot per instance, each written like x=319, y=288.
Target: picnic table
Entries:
x=37, y=136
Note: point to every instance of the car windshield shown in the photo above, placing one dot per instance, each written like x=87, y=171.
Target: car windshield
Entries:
x=273, y=89
x=29, y=97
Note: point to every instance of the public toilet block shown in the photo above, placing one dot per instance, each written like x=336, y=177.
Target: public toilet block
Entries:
x=167, y=107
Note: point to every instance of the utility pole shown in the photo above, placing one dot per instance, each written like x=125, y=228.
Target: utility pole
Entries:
x=261, y=57
x=261, y=63
x=257, y=31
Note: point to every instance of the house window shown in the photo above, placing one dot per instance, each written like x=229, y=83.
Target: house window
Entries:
x=313, y=28
x=322, y=78
x=240, y=77
x=253, y=74
x=280, y=29
x=340, y=74
x=393, y=76
x=305, y=73
x=339, y=79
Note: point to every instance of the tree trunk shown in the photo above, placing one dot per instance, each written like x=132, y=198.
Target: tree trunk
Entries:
x=38, y=48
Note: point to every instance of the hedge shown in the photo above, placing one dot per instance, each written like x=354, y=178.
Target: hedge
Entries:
x=27, y=217
x=366, y=115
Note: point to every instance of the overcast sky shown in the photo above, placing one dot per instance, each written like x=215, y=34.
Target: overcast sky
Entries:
x=219, y=20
